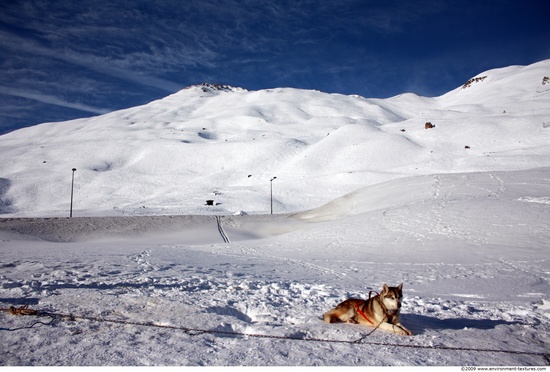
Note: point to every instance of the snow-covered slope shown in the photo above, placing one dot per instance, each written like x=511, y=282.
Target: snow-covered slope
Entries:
x=458, y=213
x=471, y=250
x=225, y=144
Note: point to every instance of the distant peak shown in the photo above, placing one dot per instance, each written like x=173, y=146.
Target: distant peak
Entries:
x=209, y=87
x=473, y=81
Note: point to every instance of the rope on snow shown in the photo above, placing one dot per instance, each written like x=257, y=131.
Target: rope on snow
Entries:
x=25, y=311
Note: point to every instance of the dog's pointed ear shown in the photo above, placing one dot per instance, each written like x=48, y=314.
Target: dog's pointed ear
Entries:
x=400, y=287
x=385, y=288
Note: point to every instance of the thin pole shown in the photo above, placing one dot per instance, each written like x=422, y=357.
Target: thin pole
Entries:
x=271, y=181
x=72, y=188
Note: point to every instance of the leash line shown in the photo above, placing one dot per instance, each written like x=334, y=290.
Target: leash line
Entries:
x=25, y=311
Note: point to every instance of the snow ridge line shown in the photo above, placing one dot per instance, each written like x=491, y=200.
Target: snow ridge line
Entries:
x=197, y=332
x=222, y=231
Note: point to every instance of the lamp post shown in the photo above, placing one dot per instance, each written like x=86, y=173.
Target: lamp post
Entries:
x=271, y=182
x=72, y=188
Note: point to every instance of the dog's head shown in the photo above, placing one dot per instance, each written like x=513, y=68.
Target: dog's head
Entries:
x=392, y=297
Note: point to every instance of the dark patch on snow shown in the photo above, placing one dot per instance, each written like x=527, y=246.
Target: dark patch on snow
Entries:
x=104, y=167
x=229, y=311
x=6, y=204
x=418, y=324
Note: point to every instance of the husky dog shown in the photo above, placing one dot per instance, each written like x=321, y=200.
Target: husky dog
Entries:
x=381, y=311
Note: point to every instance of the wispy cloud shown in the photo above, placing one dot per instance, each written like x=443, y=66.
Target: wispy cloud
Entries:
x=40, y=97
x=108, y=65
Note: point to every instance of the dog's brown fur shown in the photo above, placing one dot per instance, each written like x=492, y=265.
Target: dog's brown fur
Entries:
x=381, y=311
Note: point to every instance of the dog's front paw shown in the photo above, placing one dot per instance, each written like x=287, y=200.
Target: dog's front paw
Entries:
x=406, y=332
x=400, y=330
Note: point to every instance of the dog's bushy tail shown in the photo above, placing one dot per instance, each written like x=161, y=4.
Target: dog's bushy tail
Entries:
x=330, y=317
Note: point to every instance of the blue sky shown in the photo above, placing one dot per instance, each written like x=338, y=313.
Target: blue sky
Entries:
x=61, y=60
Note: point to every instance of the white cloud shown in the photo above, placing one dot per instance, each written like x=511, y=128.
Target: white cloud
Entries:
x=51, y=100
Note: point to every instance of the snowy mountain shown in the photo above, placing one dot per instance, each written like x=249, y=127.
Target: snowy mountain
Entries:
x=366, y=193
x=224, y=143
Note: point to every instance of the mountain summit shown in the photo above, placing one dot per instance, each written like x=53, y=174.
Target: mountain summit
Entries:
x=208, y=87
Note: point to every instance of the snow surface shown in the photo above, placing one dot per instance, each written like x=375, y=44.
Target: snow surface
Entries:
x=364, y=195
